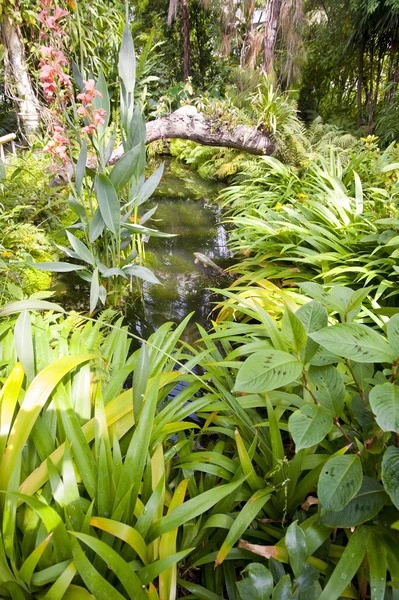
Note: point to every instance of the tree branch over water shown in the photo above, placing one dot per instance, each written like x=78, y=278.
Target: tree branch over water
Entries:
x=188, y=124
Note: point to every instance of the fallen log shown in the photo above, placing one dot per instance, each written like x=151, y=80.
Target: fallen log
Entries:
x=187, y=123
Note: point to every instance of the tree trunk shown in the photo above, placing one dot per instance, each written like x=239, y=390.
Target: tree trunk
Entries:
x=373, y=107
x=186, y=38
x=360, y=83
x=272, y=21
x=15, y=65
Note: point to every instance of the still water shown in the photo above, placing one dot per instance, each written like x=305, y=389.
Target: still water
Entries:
x=187, y=207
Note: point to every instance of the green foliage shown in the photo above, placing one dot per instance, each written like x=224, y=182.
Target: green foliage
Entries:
x=333, y=410
x=322, y=221
x=106, y=200
x=72, y=442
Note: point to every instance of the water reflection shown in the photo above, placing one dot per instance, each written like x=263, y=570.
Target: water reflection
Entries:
x=187, y=207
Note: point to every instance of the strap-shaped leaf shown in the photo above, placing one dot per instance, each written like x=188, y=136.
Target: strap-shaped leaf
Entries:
x=242, y=522
x=347, y=566
x=35, y=398
x=125, y=574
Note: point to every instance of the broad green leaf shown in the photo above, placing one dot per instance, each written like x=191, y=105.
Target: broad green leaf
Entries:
x=243, y=520
x=30, y=564
x=53, y=524
x=167, y=546
x=150, y=185
x=393, y=333
x=153, y=570
x=81, y=249
x=127, y=61
x=368, y=502
x=16, y=307
x=258, y=583
x=75, y=434
x=108, y=203
x=125, y=574
x=384, y=402
x=255, y=482
x=356, y=342
x=314, y=317
x=293, y=331
x=267, y=370
x=59, y=587
x=330, y=388
x=71, y=501
x=8, y=401
x=200, y=593
x=390, y=473
x=136, y=134
x=347, y=566
x=77, y=208
x=58, y=267
x=140, y=379
x=377, y=557
x=136, y=456
x=96, y=226
x=102, y=102
x=126, y=167
x=309, y=425
x=295, y=542
x=358, y=194
x=37, y=395
x=76, y=592
x=137, y=228
x=283, y=589
x=142, y=273
x=340, y=479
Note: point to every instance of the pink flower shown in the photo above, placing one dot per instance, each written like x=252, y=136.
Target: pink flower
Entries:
x=83, y=110
x=99, y=116
x=89, y=129
x=89, y=92
x=43, y=16
x=58, y=146
x=59, y=13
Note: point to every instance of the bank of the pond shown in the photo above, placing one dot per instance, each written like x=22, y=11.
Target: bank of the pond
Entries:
x=188, y=208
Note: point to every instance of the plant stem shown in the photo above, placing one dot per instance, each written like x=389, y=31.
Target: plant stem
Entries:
x=359, y=389
x=307, y=388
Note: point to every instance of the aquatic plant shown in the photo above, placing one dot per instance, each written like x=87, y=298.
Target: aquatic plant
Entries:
x=108, y=235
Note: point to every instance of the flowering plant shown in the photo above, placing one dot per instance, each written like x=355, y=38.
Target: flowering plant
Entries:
x=108, y=234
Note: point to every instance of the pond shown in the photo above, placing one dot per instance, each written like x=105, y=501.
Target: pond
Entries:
x=187, y=207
